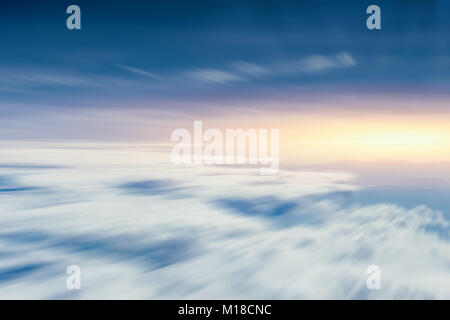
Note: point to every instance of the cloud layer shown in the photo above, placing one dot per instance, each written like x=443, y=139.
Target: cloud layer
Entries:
x=140, y=227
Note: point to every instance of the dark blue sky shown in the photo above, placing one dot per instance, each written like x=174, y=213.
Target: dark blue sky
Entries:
x=131, y=51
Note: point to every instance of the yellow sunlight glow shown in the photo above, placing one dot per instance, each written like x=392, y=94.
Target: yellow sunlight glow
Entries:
x=327, y=139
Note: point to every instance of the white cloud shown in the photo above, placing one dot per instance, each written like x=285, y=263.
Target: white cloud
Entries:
x=138, y=71
x=346, y=59
x=181, y=242
x=316, y=63
x=214, y=75
x=23, y=79
x=244, y=70
x=319, y=63
x=251, y=69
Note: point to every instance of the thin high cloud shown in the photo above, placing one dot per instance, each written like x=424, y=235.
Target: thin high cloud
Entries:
x=251, y=69
x=138, y=71
x=55, y=83
x=246, y=71
x=214, y=76
x=32, y=80
x=319, y=63
x=24, y=78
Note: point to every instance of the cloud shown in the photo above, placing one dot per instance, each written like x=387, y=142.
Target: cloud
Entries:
x=23, y=79
x=317, y=63
x=40, y=83
x=153, y=254
x=37, y=81
x=346, y=59
x=245, y=71
x=137, y=71
x=214, y=76
x=266, y=207
x=149, y=187
x=251, y=69
x=9, y=184
x=297, y=235
x=10, y=274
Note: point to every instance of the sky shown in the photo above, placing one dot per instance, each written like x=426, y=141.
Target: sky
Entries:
x=150, y=54
x=139, y=70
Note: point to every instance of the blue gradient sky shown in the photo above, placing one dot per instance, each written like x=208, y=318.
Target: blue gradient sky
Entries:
x=178, y=56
